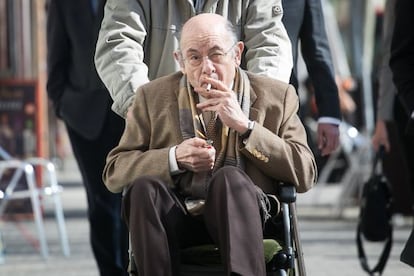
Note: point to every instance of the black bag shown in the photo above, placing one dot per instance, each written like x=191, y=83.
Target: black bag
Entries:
x=375, y=216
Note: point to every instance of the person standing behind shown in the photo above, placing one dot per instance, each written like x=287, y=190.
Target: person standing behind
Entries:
x=81, y=100
x=402, y=67
x=137, y=38
x=304, y=22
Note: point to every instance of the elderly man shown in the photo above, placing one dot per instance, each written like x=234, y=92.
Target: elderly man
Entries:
x=171, y=154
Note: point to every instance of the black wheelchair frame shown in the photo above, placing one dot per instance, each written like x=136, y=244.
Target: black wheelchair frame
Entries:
x=287, y=261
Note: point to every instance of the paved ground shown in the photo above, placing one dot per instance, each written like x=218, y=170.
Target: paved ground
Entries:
x=328, y=242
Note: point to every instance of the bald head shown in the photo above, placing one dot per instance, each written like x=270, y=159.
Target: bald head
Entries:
x=207, y=25
x=206, y=18
x=209, y=49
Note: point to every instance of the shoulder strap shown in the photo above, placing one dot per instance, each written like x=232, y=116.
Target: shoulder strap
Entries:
x=379, y=267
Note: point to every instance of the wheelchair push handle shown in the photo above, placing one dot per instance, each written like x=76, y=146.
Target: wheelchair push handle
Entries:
x=286, y=192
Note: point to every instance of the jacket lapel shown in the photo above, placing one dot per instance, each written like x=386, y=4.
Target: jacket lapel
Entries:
x=254, y=112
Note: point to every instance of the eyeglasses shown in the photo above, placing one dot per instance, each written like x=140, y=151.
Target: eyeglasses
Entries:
x=216, y=56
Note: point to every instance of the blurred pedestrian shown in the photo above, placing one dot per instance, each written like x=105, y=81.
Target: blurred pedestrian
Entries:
x=402, y=67
x=390, y=124
x=304, y=23
x=386, y=88
x=137, y=38
x=81, y=100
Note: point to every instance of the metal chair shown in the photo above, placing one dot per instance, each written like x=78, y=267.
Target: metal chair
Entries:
x=30, y=170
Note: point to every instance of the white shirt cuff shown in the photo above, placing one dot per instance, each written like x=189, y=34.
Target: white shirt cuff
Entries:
x=329, y=120
x=174, y=169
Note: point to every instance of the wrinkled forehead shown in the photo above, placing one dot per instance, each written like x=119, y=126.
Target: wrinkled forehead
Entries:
x=204, y=37
x=203, y=45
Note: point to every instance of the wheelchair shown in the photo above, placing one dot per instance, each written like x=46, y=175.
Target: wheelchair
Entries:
x=283, y=253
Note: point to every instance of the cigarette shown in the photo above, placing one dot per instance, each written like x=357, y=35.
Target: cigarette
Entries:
x=208, y=87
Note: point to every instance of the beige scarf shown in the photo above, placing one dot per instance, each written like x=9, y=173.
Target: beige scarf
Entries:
x=192, y=125
x=194, y=186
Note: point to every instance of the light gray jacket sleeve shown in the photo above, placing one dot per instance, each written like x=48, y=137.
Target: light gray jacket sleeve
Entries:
x=119, y=63
x=269, y=50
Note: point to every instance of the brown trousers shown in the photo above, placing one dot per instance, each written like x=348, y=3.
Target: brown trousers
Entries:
x=159, y=227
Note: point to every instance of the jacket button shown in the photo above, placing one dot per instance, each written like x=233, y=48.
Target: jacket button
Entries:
x=277, y=10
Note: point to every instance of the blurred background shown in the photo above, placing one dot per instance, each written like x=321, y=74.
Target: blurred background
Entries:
x=327, y=214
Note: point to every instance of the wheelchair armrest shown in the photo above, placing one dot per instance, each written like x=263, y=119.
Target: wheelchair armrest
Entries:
x=286, y=192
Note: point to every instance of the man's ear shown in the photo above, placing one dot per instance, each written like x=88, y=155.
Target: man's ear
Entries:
x=239, y=47
x=178, y=57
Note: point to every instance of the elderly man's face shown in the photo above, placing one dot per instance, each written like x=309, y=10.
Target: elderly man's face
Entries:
x=208, y=51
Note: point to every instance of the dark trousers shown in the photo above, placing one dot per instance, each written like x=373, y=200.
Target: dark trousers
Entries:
x=159, y=227
x=108, y=232
x=407, y=142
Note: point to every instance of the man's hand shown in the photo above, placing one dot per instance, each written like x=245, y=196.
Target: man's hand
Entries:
x=328, y=138
x=380, y=136
x=195, y=155
x=224, y=102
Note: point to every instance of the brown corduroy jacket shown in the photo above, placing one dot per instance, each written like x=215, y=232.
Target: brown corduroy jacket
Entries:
x=276, y=149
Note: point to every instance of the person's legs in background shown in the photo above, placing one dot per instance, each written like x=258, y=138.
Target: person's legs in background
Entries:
x=108, y=233
x=407, y=141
